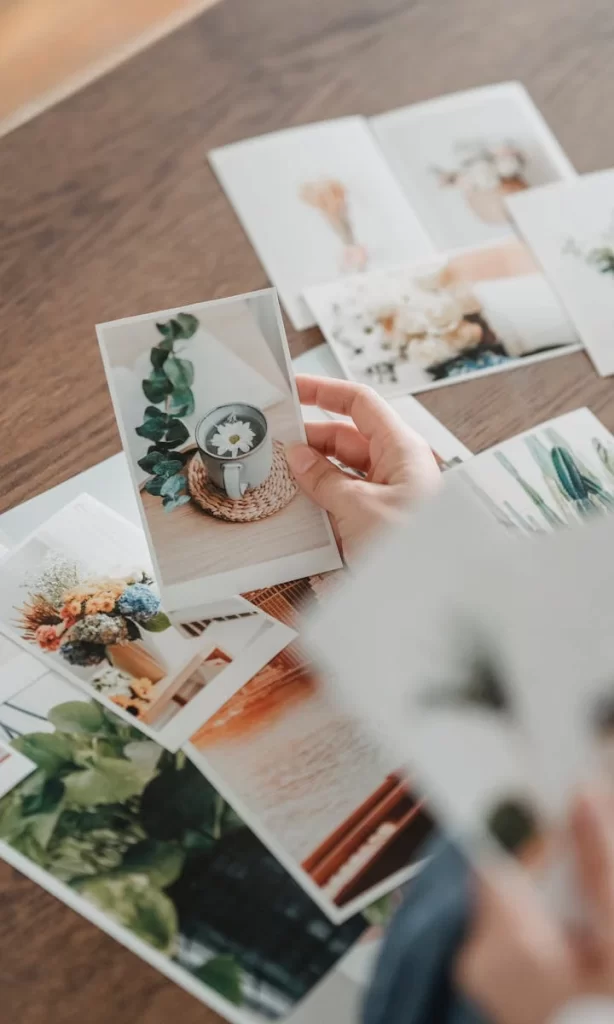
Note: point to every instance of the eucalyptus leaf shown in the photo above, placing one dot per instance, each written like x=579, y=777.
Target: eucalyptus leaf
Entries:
x=188, y=323
x=179, y=371
x=168, y=467
x=155, y=413
x=165, y=329
x=223, y=975
x=173, y=485
x=182, y=402
x=169, y=504
x=137, y=904
x=156, y=387
x=152, y=429
x=161, y=861
x=150, y=461
x=154, y=486
x=50, y=751
x=108, y=781
x=158, y=357
x=157, y=624
x=177, y=432
x=77, y=716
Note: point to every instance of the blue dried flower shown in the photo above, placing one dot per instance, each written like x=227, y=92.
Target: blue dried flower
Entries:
x=138, y=602
x=82, y=653
x=98, y=629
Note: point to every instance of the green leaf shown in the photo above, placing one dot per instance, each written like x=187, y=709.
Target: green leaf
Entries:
x=153, y=412
x=157, y=624
x=108, y=781
x=173, y=485
x=179, y=371
x=168, y=467
x=156, y=387
x=188, y=324
x=223, y=975
x=154, y=486
x=137, y=905
x=77, y=716
x=47, y=799
x=50, y=751
x=177, y=432
x=380, y=912
x=150, y=461
x=166, y=329
x=162, y=862
x=182, y=402
x=153, y=429
x=169, y=504
x=158, y=357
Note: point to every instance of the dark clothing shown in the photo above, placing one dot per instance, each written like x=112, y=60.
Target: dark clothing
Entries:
x=413, y=979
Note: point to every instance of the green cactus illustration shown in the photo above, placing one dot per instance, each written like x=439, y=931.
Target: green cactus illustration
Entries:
x=541, y=455
x=605, y=455
x=548, y=513
x=599, y=496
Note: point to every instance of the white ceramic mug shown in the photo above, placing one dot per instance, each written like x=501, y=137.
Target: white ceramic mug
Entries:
x=235, y=474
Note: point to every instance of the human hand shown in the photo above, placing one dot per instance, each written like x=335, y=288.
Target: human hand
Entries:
x=519, y=965
x=397, y=463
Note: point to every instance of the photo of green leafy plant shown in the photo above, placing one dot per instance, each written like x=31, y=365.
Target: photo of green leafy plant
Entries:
x=142, y=835
x=168, y=385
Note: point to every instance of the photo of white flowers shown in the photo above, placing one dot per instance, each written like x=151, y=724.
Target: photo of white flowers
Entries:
x=317, y=202
x=570, y=228
x=206, y=406
x=468, y=312
x=79, y=595
x=458, y=157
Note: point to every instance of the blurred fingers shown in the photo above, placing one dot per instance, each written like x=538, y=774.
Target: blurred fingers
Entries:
x=341, y=441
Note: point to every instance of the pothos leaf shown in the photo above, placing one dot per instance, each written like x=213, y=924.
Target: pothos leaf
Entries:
x=162, y=862
x=50, y=751
x=107, y=781
x=223, y=975
x=157, y=624
x=77, y=716
x=134, y=902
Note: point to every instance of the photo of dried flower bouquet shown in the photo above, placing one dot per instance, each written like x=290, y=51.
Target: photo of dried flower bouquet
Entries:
x=410, y=328
x=485, y=173
x=330, y=198
x=107, y=631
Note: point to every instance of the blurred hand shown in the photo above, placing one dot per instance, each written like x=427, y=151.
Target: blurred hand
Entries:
x=519, y=965
x=397, y=463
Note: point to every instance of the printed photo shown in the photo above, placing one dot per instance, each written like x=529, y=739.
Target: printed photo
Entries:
x=570, y=228
x=14, y=767
x=457, y=158
x=417, y=327
x=558, y=474
x=136, y=840
x=318, y=202
x=337, y=813
x=17, y=668
x=206, y=406
x=79, y=595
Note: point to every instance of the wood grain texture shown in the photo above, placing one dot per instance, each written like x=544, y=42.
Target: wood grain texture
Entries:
x=108, y=209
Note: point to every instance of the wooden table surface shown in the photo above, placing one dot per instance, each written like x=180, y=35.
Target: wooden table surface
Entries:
x=108, y=208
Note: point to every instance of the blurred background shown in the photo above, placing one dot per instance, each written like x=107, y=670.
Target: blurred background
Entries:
x=48, y=48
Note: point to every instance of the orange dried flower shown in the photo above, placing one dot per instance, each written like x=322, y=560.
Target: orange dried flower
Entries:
x=142, y=688
x=133, y=705
x=48, y=638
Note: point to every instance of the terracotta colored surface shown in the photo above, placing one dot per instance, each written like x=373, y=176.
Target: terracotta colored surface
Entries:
x=108, y=208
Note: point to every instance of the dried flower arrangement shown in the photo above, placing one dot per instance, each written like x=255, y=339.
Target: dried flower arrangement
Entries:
x=82, y=618
x=420, y=319
x=331, y=199
x=168, y=385
x=485, y=174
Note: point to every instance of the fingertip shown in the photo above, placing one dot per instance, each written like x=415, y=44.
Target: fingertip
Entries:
x=301, y=458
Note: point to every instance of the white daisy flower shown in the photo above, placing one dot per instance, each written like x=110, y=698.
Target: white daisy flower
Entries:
x=232, y=437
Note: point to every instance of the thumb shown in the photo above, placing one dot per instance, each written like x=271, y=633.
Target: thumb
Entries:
x=324, y=483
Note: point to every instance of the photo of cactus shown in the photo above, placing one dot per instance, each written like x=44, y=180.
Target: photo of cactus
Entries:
x=464, y=313
x=557, y=475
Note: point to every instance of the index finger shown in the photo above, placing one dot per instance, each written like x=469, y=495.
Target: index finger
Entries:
x=371, y=413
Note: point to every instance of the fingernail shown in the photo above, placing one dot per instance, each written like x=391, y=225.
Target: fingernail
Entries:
x=301, y=458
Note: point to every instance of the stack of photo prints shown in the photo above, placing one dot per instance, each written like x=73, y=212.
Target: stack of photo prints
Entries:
x=171, y=766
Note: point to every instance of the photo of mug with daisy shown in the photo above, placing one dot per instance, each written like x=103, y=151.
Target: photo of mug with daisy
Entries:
x=206, y=406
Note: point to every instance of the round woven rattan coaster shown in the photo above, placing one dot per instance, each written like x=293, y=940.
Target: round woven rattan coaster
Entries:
x=275, y=493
